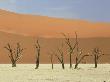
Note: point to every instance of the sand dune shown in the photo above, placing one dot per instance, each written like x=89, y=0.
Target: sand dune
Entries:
x=48, y=45
x=25, y=28
x=43, y=26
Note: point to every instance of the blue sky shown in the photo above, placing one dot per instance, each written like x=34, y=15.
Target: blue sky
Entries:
x=92, y=10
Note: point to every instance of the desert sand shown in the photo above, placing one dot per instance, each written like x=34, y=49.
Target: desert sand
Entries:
x=51, y=44
x=27, y=28
x=43, y=26
x=27, y=73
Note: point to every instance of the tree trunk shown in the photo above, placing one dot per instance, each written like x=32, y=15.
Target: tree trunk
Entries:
x=95, y=63
x=13, y=64
x=63, y=66
x=52, y=61
x=70, y=62
x=52, y=65
x=37, y=64
x=76, y=66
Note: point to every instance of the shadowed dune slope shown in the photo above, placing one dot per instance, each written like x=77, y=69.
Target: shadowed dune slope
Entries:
x=51, y=44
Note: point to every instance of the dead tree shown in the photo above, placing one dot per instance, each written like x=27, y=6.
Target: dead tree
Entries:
x=79, y=55
x=71, y=48
x=37, y=46
x=14, y=54
x=79, y=58
x=60, y=57
x=97, y=53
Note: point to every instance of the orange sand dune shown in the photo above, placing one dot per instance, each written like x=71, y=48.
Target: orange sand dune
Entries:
x=13, y=26
x=43, y=26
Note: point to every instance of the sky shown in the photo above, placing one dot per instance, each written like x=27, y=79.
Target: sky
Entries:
x=92, y=10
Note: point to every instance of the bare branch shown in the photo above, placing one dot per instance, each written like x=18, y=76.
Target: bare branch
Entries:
x=97, y=53
x=15, y=54
x=70, y=47
x=82, y=58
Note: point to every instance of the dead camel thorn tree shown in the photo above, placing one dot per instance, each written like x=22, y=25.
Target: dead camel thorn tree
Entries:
x=97, y=53
x=79, y=55
x=71, y=48
x=37, y=46
x=14, y=54
x=60, y=57
x=79, y=58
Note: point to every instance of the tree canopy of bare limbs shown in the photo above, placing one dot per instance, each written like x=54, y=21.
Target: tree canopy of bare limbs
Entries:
x=97, y=53
x=14, y=53
x=38, y=48
x=71, y=48
x=60, y=56
x=79, y=56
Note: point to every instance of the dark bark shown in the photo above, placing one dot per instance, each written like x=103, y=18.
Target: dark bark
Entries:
x=97, y=53
x=95, y=65
x=37, y=64
x=63, y=66
x=76, y=66
x=70, y=48
x=95, y=61
x=61, y=60
x=13, y=64
x=61, y=57
x=52, y=65
x=70, y=62
x=52, y=60
x=38, y=54
x=15, y=54
x=78, y=60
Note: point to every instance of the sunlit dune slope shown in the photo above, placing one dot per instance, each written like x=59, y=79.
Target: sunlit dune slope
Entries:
x=43, y=26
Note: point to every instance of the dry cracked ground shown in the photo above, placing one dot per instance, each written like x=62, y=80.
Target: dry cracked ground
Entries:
x=27, y=73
